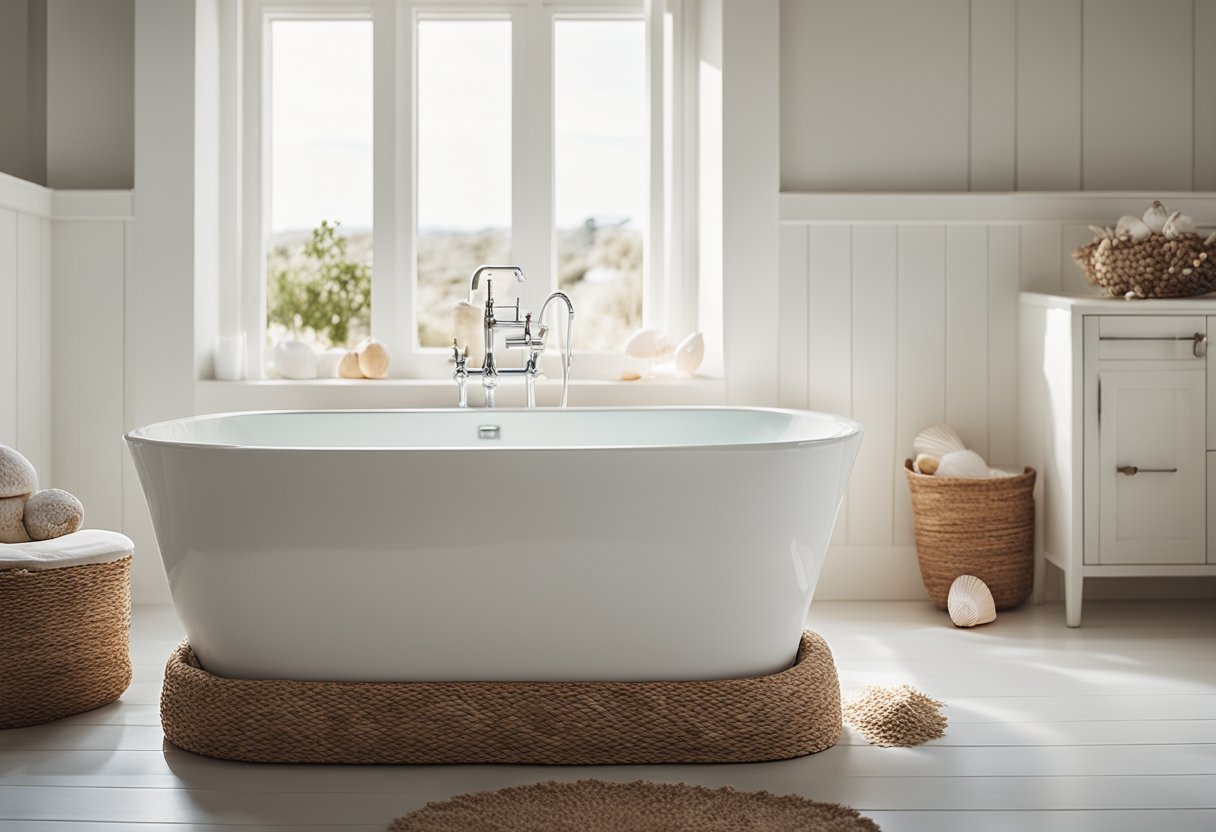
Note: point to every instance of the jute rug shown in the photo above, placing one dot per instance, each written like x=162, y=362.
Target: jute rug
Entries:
x=597, y=806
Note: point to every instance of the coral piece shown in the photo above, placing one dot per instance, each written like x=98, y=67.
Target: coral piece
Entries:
x=970, y=602
x=901, y=716
x=52, y=513
x=17, y=475
x=12, y=529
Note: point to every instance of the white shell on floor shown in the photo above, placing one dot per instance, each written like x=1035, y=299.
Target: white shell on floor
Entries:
x=925, y=464
x=963, y=463
x=649, y=343
x=689, y=354
x=970, y=602
x=937, y=440
x=295, y=359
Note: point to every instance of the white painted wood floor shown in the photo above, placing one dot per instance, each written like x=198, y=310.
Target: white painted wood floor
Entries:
x=1109, y=727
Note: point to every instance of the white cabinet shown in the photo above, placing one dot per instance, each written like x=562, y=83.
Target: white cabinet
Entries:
x=1118, y=414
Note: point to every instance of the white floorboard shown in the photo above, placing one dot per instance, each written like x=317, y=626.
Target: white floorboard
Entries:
x=1109, y=727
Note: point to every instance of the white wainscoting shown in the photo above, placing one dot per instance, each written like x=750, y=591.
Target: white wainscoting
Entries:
x=63, y=261
x=25, y=321
x=900, y=310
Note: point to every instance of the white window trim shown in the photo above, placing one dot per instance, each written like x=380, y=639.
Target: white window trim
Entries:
x=670, y=234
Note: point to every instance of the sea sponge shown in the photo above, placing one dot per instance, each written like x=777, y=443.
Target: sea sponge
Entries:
x=12, y=529
x=17, y=476
x=52, y=513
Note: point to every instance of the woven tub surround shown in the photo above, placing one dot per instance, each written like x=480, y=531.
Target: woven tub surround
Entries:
x=980, y=527
x=64, y=639
x=597, y=806
x=787, y=714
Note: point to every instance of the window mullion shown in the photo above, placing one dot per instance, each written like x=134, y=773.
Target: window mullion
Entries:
x=393, y=148
x=532, y=150
x=654, y=306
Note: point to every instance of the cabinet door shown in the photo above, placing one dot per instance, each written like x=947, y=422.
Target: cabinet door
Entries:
x=1152, y=467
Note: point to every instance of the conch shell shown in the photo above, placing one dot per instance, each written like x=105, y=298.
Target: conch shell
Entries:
x=970, y=602
x=1155, y=216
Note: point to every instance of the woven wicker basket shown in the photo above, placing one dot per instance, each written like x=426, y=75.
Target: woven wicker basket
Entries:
x=981, y=527
x=1157, y=267
x=64, y=638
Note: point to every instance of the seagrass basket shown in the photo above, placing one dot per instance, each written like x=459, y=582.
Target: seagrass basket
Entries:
x=1156, y=267
x=64, y=639
x=980, y=527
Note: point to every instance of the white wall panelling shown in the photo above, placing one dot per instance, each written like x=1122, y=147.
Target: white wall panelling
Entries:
x=997, y=95
x=911, y=309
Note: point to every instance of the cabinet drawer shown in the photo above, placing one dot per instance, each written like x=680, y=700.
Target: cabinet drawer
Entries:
x=1152, y=337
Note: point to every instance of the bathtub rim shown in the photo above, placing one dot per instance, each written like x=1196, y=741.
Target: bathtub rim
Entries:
x=854, y=428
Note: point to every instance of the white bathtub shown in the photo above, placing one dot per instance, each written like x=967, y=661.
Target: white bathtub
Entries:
x=602, y=544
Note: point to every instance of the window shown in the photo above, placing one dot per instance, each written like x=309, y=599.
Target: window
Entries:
x=392, y=147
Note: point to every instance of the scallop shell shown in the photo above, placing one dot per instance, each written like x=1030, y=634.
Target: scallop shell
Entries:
x=689, y=354
x=374, y=358
x=963, y=463
x=937, y=440
x=970, y=602
x=925, y=464
x=295, y=359
x=649, y=343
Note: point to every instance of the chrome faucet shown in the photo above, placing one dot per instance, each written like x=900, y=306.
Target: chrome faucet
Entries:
x=533, y=343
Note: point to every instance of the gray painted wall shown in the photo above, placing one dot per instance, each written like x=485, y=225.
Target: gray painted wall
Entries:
x=23, y=89
x=90, y=85
x=975, y=95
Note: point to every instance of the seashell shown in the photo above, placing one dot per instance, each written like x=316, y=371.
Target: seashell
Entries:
x=295, y=359
x=348, y=367
x=925, y=464
x=467, y=326
x=374, y=358
x=630, y=375
x=17, y=475
x=970, y=602
x=689, y=354
x=1155, y=216
x=963, y=463
x=12, y=530
x=1130, y=228
x=1178, y=225
x=327, y=363
x=52, y=513
x=1211, y=238
x=649, y=343
x=937, y=440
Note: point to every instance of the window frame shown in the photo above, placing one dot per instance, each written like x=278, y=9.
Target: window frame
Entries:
x=669, y=232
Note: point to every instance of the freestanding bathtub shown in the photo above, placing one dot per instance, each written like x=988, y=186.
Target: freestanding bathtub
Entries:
x=454, y=545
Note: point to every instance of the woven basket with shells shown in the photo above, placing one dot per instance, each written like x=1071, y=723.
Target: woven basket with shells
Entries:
x=1159, y=255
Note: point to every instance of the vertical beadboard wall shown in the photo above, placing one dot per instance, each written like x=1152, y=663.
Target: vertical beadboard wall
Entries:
x=998, y=95
x=25, y=321
x=900, y=310
x=63, y=261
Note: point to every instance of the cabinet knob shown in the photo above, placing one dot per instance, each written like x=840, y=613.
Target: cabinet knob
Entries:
x=1132, y=470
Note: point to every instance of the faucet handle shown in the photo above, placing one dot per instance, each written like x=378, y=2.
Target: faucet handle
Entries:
x=460, y=356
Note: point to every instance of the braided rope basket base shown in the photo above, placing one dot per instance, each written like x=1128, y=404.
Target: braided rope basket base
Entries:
x=64, y=638
x=788, y=714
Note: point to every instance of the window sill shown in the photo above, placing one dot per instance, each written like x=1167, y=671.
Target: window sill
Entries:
x=359, y=394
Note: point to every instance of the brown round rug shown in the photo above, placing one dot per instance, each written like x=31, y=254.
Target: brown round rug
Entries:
x=597, y=806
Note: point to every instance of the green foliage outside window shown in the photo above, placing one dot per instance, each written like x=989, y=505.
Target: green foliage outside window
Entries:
x=319, y=289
